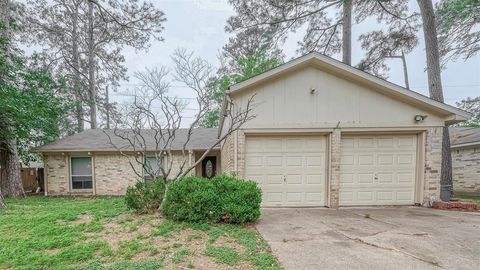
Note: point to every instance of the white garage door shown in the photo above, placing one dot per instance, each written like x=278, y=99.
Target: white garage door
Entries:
x=290, y=170
x=378, y=170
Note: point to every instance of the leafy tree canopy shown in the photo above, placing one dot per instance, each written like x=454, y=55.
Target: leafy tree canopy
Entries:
x=31, y=103
x=458, y=24
x=453, y=10
x=246, y=68
x=471, y=105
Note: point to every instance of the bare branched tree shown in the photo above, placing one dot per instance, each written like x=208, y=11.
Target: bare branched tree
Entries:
x=151, y=125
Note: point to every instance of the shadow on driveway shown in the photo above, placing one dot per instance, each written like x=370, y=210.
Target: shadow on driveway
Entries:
x=372, y=238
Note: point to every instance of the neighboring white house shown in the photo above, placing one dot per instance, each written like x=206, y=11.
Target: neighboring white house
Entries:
x=465, y=144
x=325, y=134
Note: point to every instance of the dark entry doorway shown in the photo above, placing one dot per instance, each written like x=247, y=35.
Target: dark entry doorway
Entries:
x=209, y=167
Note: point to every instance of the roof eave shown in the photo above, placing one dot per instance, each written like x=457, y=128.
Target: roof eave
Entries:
x=457, y=118
x=462, y=145
x=111, y=150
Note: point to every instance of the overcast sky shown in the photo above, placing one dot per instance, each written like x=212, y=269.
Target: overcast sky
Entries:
x=198, y=25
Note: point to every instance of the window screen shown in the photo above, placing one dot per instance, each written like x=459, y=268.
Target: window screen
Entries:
x=81, y=168
x=152, y=167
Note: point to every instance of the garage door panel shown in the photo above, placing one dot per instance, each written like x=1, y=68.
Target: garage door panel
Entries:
x=274, y=197
x=409, y=142
x=366, y=143
x=315, y=161
x=314, y=197
x=272, y=145
x=365, y=159
x=314, y=179
x=385, y=142
x=274, y=179
x=385, y=178
x=294, y=197
x=274, y=161
x=294, y=144
x=293, y=179
x=406, y=159
x=378, y=170
x=294, y=161
x=254, y=161
x=407, y=178
x=296, y=169
x=386, y=159
x=312, y=144
x=347, y=159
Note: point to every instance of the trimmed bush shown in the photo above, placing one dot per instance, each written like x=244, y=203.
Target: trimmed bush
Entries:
x=191, y=199
x=144, y=197
x=221, y=199
x=239, y=200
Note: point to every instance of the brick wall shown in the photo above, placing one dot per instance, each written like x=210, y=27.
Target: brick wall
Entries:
x=113, y=174
x=241, y=154
x=226, y=155
x=56, y=170
x=335, y=144
x=433, y=165
x=466, y=169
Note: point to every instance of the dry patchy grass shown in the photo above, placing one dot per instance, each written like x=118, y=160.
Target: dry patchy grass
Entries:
x=99, y=233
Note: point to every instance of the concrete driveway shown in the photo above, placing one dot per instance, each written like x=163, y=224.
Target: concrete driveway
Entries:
x=372, y=238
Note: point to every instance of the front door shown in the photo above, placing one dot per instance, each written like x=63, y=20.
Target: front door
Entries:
x=209, y=167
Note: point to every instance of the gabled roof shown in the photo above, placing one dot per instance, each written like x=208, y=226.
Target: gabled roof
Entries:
x=464, y=136
x=329, y=64
x=97, y=140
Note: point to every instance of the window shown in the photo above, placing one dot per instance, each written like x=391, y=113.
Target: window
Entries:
x=152, y=167
x=81, y=171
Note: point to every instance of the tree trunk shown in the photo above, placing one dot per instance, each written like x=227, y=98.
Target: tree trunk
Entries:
x=11, y=184
x=165, y=182
x=4, y=20
x=2, y=201
x=91, y=68
x=347, y=32
x=436, y=91
x=76, y=73
x=405, y=71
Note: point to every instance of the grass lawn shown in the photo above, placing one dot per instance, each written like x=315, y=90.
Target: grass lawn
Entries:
x=100, y=233
x=469, y=197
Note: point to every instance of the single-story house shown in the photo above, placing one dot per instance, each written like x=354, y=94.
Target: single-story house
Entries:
x=324, y=134
x=465, y=145
x=88, y=163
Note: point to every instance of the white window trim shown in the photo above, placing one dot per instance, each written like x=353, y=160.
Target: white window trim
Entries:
x=71, y=175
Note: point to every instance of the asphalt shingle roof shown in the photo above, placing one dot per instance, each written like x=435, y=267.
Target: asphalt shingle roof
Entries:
x=97, y=140
x=464, y=135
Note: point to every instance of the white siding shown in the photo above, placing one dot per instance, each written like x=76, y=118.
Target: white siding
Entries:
x=287, y=102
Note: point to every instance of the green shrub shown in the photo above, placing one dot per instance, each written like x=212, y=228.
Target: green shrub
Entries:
x=191, y=199
x=240, y=200
x=221, y=199
x=144, y=197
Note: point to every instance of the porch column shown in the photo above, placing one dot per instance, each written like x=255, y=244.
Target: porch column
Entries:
x=191, y=160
